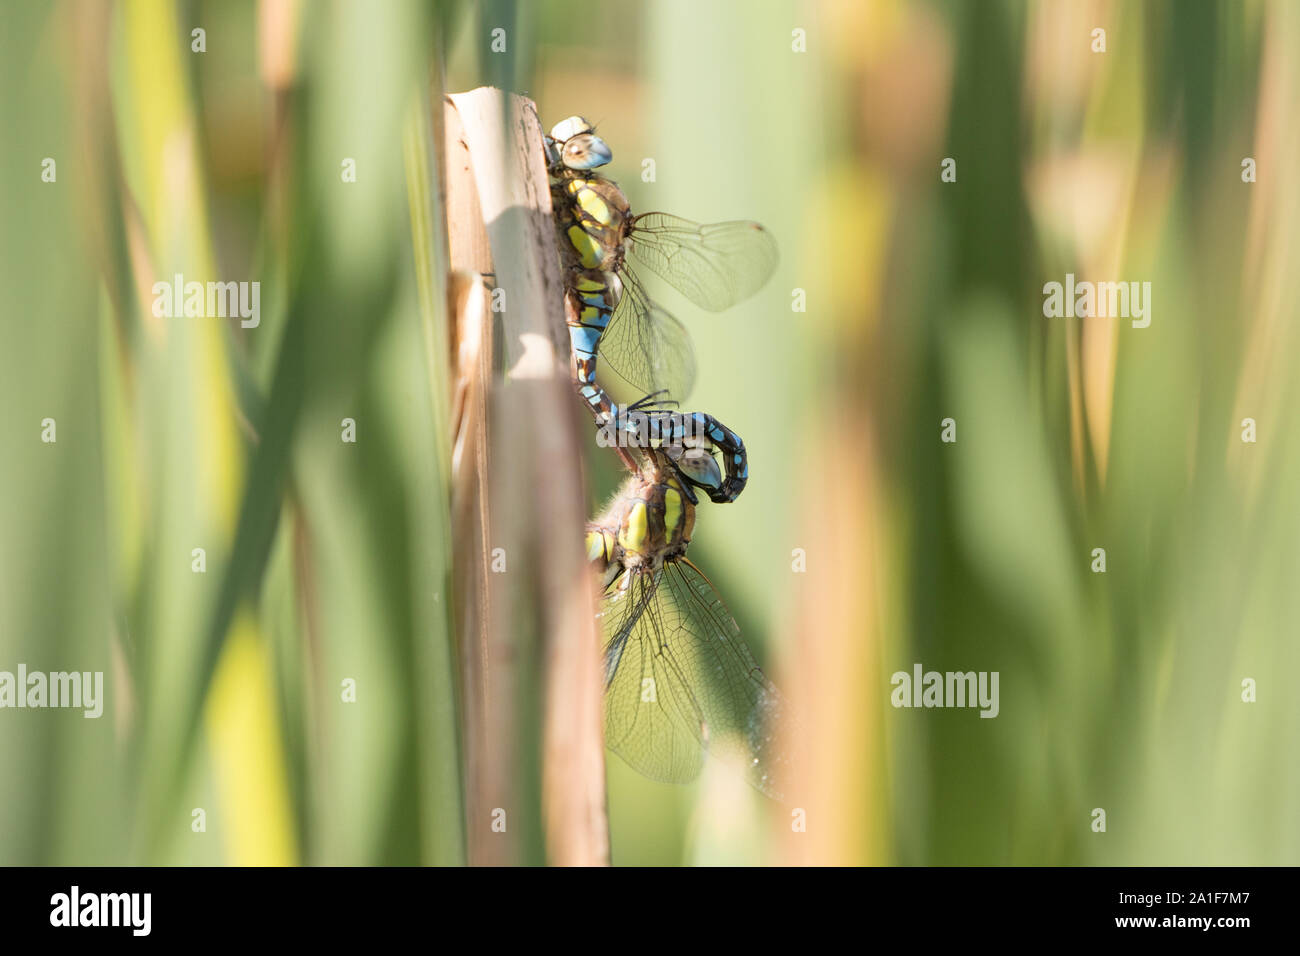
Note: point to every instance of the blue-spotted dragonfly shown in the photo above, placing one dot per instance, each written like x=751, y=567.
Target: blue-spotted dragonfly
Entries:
x=715, y=266
x=679, y=680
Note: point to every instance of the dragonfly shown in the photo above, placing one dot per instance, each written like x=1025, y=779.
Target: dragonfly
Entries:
x=610, y=313
x=680, y=684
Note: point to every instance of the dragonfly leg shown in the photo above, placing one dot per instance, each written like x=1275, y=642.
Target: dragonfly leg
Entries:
x=652, y=400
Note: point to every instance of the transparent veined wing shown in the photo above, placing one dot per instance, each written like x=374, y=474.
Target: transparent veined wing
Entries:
x=679, y=682
x=714, y=265
x=646, y=346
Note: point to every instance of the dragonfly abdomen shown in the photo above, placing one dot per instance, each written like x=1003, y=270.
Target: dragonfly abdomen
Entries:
x=593, y=299
x=688, y=439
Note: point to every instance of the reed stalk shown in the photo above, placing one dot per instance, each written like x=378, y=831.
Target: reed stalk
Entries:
x=531, y=668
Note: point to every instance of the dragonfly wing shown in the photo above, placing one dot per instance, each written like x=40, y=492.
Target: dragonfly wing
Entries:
x=650, y=720
x=684, y=682
x=714, y=265
x=646, y=346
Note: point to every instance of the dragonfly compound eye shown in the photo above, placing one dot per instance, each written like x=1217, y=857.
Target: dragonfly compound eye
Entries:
x=699, y=468
x=567, y=128
x=586, y=151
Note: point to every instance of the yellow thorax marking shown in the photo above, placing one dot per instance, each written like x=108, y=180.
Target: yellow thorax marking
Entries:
x=672, y=513
x=593, y=206
x=589, y=251
x=596, y=547
x=634, y=532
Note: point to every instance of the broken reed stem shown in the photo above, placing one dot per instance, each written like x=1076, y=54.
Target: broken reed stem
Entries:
x=530, y=648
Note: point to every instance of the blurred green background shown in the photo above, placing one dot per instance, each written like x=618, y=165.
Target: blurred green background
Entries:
x=828, y=122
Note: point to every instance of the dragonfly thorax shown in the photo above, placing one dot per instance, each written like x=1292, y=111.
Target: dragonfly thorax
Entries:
x=648, y=523
x=594, y=220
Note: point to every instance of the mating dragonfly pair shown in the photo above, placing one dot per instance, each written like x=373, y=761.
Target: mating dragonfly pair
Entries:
x=679, y=681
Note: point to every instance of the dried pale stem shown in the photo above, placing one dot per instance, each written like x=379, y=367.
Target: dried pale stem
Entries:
x=531, y=661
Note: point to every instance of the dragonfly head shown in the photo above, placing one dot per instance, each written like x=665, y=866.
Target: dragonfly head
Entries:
x=573, y=144
x=699, y=468
x=696, y=461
